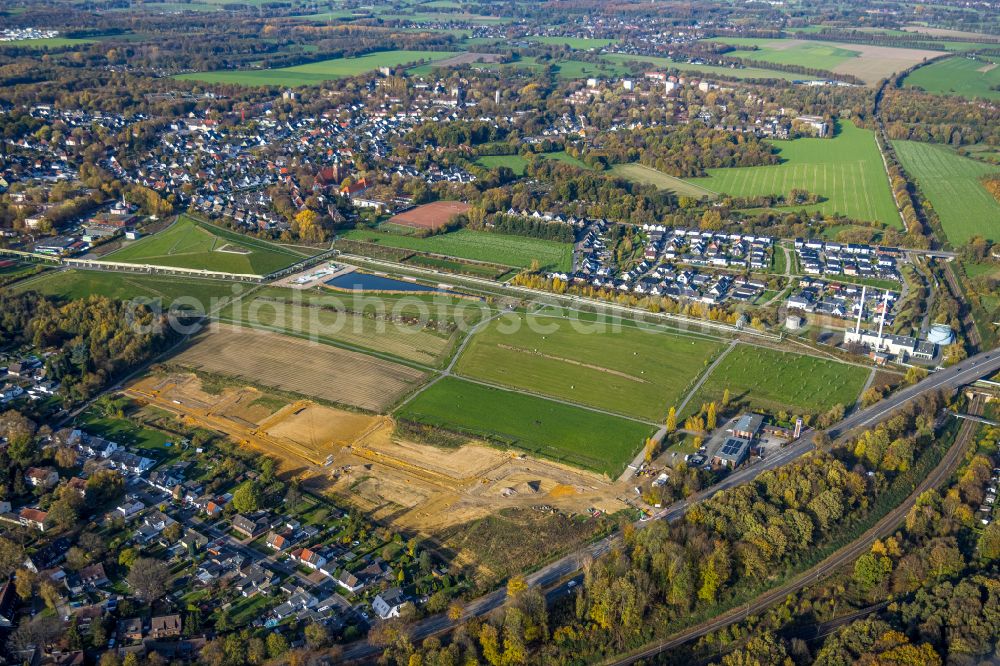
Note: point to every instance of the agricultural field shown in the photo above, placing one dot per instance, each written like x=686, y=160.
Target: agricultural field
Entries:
x=772, y=380
x=959, y=76
x=47, y=43
x=315, y=73
x=515, y=251
x=846, y=170
x=952, y=184
x=729, y=73
x=805, y=53
x=382, y=324
x=189, y=243
x=578, y=43
x=865, y=61
x=546, y=428
x=640, y=173
x=618, y=368
x=198, y=293
x=299, y=366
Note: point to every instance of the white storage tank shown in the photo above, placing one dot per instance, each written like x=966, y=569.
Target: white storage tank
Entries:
x=941, y=334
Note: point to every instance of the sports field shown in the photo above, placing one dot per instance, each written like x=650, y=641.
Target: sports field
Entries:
x=189, y=243
x=617, y=368
x=546, y=428
x=479, y=246
x=317, y=72
x=721, y=72
x=640, y=173
x=75, y=284
x=419, y=328
x=959, y=76
x=773, y=380
x=846, y=170
x=952, y=183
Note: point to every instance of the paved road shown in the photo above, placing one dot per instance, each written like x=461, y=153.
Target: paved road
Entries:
x=976, y=367
x=884, y=527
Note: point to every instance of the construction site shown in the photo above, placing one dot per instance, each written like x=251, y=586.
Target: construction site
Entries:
x=412, y=486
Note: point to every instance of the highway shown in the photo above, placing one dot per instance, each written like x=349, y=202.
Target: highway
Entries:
x=966, y=372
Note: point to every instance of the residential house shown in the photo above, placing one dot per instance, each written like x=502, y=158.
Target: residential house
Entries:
x=34, y=518
x=387, y=604
x=41, y=477
x=165, y=626
x=249, y=527
x=129, y=630
x=93, y=576
x=350, y=582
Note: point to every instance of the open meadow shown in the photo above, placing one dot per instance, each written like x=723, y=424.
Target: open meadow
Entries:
x=644, y=175
x=190, y=243
x=619, y=368
x=773, y=380
x=549, y=429
x=965, y=77
x=517, y=251
x=418, y=328
x=730, y=73
x=298, y=366
x=578, y=43
x=74, y=284
x=952, y=183
x=518, y=163
x=317, y=72
x=846, y=171
x=805, y=53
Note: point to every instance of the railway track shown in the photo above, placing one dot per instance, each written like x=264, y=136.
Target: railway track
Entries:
x=884, y=527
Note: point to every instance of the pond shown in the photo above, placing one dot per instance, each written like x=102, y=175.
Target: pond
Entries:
x=369, y=282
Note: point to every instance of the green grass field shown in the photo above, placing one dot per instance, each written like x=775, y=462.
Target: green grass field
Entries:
x=189, y=243
x=49, y=42
x=317, y=72
x=959, y=76
x=640, y=173
x=564, y=69
x=816, y=55
x=515, y=251
x=721, y=72
x=952, y=184
x=518, y=163
x=546, y=428
x=846, y=170
x=621, y=369
x=515, y=163
x=75, y=284
x=772, y=380
x=579, y=43
x=365, y=321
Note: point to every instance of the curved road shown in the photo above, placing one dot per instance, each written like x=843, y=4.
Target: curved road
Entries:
x=966, y=372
